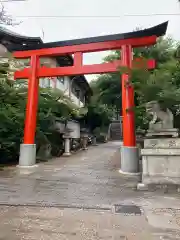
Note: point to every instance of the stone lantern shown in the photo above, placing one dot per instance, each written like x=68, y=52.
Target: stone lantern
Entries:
x=94, y=141
x=67, y=137
x=84, y=135
x=94, y=137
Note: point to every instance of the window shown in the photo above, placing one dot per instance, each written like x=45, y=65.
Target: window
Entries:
x=44, y=82
x=61, y=79
x=82, y=97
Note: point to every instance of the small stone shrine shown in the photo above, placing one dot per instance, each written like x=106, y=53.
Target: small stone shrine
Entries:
x=161, y=152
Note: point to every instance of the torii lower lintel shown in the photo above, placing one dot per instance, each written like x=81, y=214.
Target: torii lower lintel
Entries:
x=125, y=43
x=83, y=69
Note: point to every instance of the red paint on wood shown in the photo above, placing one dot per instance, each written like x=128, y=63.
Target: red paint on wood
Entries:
x=32, y=103
x=85, y=69
x=129, y=138
x=90, y=47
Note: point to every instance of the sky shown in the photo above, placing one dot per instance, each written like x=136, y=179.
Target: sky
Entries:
x=55, y=20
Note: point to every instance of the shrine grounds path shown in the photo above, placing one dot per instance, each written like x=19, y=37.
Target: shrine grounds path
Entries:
x=84, y=197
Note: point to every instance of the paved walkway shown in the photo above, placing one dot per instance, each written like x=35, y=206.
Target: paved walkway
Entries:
x=76, y=198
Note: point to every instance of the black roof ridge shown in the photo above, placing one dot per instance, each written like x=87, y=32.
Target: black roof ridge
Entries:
x=17, y=35
x=34, y=39
x=37, y=43
x=158, y=30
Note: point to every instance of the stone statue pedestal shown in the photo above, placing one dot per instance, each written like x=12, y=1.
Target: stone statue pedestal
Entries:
x=161, y=152
x=160, y=161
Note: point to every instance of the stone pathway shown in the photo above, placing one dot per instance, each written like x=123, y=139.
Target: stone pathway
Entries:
x=75, y=198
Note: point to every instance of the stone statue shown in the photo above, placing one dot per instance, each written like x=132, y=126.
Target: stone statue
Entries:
x=161, y=149
x=161, y=119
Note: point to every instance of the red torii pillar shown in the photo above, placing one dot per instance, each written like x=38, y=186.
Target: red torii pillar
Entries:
x=129, y=151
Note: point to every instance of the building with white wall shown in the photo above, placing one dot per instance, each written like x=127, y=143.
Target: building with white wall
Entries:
x=75, y=87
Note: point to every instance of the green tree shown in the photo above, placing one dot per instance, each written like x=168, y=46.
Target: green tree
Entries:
x=53, y=106
x=149, y=85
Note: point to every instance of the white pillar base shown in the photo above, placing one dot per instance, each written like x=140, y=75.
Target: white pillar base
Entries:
x=129, y=173
x=27, y=167
x=129, y=160
x=27, y=157
x=66, y=154
x=142, y=187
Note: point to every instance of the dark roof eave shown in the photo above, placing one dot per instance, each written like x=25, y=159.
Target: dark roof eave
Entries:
x=66, y=60
x=6, y=33
x=89, y=90
x=82, y=81
x=158, y=30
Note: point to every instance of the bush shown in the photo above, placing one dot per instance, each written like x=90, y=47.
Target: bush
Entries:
x=53, y=106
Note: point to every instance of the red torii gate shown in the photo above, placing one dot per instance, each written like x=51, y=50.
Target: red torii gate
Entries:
x=124, y=42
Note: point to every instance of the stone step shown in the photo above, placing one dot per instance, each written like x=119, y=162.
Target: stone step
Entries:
x=115, y=128
x=160, y=188
x=116, y=133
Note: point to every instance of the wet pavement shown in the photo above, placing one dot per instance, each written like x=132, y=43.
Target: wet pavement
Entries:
x=75, y=198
